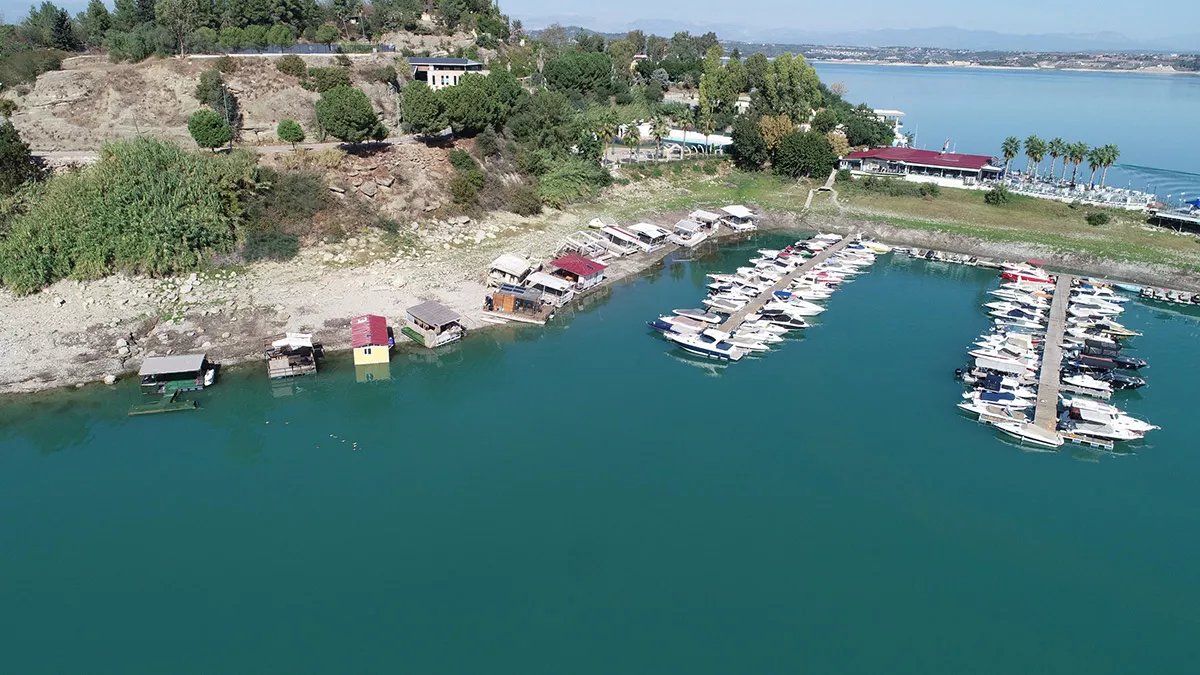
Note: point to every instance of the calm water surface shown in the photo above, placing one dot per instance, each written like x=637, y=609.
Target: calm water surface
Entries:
x=581, y=500
x=1152, y=118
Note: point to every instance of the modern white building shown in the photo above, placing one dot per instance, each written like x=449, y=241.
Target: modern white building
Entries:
x=440, y=73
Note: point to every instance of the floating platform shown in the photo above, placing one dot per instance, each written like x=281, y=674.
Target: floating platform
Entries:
x=168, y=403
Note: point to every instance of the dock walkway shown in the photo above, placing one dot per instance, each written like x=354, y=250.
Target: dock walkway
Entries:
x=1046, y=415
x=736, y=319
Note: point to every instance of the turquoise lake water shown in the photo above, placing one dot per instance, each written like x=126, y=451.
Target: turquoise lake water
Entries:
x=1152, y=118
x=581, y=499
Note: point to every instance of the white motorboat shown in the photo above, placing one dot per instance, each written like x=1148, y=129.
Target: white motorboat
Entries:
x=764, y=336
x=785, y=321
x=876, y=246
x=1081, y=312
x=678, y=324
x=740, y=340
x=706, y=346
x=762, y=326
x=723, y=306
x=799, y=308
x=1110, y=414
x=699, y=315
x=1088, y=384
x=1031, y=433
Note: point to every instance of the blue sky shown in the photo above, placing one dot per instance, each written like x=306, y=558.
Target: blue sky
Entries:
x=1156, y=18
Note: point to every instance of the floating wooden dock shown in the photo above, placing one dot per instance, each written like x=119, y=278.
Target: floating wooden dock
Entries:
x=1046, y=415
x=736, y=319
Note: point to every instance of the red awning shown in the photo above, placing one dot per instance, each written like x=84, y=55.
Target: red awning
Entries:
x=578, y=265
x=368, y=330
x=1039, y=263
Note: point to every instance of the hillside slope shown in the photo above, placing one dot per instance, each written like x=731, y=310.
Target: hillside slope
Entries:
x=91, y=100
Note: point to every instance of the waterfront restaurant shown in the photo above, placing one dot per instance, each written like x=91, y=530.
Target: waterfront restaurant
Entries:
x=371, y=339
x=433, y=324
x=924, y=166
x=578, y=270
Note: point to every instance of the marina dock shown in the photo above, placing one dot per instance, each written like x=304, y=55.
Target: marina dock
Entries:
x=1046, y=414
x=736, y=319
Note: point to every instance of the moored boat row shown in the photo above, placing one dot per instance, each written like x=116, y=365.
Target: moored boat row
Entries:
x=1003, y=377
x=779, y=291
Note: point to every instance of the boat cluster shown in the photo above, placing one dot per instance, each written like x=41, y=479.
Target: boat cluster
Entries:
x=780, y=299
x=1006, y=362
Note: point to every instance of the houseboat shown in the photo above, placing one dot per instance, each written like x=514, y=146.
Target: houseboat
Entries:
x=650, y=237
x=509, y=269
x=515, y=303
x=555, y=290
x=738, y=218
x=689, y=233
x=172, y=374
x=578, y=270
x=371, y=339
x=433, y=324
x=291, y=355
x=619, y=241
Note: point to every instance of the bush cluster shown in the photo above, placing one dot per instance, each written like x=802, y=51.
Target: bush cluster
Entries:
x=292, y=65
x=1098, y=218
x=997, y=196
x=898, y=188
x=322, y=80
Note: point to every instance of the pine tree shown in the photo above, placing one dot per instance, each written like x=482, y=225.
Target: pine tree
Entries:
x=62, y=32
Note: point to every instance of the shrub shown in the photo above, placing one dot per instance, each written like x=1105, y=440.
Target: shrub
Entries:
x=346, y=113
x=997, y=196
x=386, y=75
x=1098, y=218
x=804, y=154
x=269, y=244
x=571, y=180
x=289, y=131
x=844, y=176
x=353, y=48
x=21, y=67
x=464, y=188
x=534, y=162
x=322, y=80
x=341, y=59
x=145, y=206
x=487, y=142
x=7, y=107
x=523, y=200
x=226, y=64
x=294, y=198
x=461, y=160
x=17, y=165
x=209, y=129
x=292, y=65
x=711, y=168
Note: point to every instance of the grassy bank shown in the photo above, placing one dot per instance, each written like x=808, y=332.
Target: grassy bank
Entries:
x=1055, y=226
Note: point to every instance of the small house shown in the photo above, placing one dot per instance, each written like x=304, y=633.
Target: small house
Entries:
x=371, y=339
x=578, y=270
x=738, y=218
x=172, y=374
x=442, y=72
x=433, y=324
x=555, y=291
x=509, y=269
x=291, y=355
x=650, y=237
x=518, y=304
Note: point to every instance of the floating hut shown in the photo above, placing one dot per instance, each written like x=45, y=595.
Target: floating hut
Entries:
x=706, y=218
x=291, y=355
x=433, y=324
x=555, y=291
x=619, y=241
x=509, y=269
x=172, y=374
x=371, y=339
x=578, y=270
x=517, y=304
x=738, y=218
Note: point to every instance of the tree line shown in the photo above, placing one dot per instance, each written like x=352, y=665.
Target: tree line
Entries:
x=1098, y=158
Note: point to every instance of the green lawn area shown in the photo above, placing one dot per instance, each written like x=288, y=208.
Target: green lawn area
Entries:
x=1054, y=225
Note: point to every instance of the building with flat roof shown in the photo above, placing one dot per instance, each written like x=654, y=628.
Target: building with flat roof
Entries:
x=924, y=166
x=440, y=73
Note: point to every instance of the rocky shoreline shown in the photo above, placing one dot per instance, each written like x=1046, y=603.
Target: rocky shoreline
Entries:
x=74, y=333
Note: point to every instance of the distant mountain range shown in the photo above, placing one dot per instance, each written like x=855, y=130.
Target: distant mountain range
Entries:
x=943, y=37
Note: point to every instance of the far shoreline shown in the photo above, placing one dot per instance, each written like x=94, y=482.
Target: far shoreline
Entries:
x=976, y=66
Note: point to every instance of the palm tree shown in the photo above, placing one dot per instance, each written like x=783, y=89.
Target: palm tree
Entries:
x=632, y=138
x=1011, y=147
x=1077, y=154
x=658, y=131
x=1095, y=159
x=1057, y=148
x=1035, y=150
x=1111, y=154
x=606, y=128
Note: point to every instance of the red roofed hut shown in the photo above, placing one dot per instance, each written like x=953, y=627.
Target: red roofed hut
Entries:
x=924, y=166
x=371, y=339
x=579, y=270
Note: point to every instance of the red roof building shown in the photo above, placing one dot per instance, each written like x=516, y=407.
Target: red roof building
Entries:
x=368, y=330
x=575, y=268
x=923, y=163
